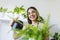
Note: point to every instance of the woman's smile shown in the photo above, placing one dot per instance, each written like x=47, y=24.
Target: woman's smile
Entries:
x=32, y=16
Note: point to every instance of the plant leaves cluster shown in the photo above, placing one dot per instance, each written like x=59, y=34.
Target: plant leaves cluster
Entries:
x=33, y=32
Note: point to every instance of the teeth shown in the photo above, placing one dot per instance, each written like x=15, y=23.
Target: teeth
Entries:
x=32, y=16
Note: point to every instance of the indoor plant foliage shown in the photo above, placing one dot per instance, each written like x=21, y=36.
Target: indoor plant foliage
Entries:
x=32, y=33
x=56, y=36
x=20, y=10
x=2, y=11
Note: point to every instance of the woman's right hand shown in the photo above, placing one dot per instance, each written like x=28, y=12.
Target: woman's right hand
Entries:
x=11, y=22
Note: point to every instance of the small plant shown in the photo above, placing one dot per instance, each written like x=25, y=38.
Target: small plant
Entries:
x=56, y=36
x=19, y=10
x=3, y=9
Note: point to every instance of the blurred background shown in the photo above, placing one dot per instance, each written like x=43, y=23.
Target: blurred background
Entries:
x=44, y=7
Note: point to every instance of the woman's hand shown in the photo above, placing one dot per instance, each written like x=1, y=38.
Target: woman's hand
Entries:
x=13, y=20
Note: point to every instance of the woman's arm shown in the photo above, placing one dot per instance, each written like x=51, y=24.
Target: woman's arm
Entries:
x=12, y=22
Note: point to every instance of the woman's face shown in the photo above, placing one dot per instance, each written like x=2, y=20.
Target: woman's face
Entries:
x=32, y=14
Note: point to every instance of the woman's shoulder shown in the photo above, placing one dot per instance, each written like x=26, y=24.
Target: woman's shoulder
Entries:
x=40, y=25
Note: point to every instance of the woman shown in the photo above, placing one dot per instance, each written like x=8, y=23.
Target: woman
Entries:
x=33, y=16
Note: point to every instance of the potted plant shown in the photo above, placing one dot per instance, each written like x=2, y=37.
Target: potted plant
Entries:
x=56, y=36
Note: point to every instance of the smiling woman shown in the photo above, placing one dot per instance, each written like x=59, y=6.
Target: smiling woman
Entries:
x=33, y=16
x=35, y=22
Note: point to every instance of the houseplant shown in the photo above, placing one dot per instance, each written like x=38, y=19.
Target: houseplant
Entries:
x=2, y=11
x=32, y=33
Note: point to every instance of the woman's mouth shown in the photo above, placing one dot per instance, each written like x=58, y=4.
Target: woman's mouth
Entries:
x=32, y=16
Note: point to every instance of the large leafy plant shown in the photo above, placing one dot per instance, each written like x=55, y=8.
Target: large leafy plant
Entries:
x=33, y=32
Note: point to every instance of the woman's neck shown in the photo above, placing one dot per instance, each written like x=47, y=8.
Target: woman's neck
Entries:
x=34, y=22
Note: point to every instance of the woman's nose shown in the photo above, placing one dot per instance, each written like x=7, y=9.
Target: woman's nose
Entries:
x=31, y=14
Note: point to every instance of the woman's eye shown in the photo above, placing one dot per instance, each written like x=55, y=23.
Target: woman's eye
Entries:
x=33, y=11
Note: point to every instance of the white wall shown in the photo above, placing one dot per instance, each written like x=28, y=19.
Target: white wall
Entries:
x=5, y=33
x=43, y=6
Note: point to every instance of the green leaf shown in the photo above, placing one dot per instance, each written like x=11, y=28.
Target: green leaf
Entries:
x=1, y=8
